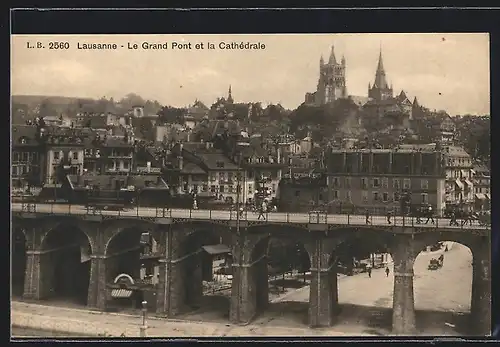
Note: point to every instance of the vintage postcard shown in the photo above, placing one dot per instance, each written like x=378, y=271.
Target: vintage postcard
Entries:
x=251, y=185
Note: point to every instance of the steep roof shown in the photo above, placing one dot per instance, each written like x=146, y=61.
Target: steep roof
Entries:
x=380, y=79
x=211, y=160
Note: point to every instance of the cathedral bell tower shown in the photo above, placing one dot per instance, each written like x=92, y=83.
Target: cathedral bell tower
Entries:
x=331, y=82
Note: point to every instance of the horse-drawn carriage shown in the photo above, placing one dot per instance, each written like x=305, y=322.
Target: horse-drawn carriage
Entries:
x=435, y=264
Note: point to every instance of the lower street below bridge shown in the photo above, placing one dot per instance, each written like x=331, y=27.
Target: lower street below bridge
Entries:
x=442, y=303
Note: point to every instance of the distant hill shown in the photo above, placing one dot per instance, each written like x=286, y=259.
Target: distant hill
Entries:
x=33, y=100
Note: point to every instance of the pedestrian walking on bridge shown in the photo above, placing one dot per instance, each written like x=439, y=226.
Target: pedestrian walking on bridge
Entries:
x=367, y=215
x=387, y=271
x=369, y=271
x=389, y=217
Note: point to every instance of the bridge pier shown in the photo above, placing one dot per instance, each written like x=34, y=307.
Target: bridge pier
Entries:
x=40, y=273
x=403, y=304
x=97, y=295
x=323, y=294
x=481, y=291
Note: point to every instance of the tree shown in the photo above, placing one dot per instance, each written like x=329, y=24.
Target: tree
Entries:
x=171, y=115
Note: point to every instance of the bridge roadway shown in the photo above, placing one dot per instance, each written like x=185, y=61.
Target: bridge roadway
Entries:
x=224, y=215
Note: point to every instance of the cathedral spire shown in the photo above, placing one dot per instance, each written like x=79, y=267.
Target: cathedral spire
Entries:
x=332, y=59
x=321, y=61
x=229, y=96
x=380, y=80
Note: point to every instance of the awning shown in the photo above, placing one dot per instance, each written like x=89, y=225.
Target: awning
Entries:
x=469, y=183
x=472, y=172
x=488, y=196
x=480, y=196
x=459, y=183
x=464, y=173
x=217, y=249
x=121, y=293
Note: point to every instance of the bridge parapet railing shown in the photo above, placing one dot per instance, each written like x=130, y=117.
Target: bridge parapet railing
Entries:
x=313, y=217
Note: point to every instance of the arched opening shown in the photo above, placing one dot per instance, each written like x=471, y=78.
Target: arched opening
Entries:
x=65, y=265
x=364, y=288
x=18, y=261
x=443, y=288
x=132, y=269
x=281, y=279
x=204, y=281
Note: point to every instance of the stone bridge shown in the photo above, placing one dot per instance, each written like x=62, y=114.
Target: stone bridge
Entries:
x=53, y=245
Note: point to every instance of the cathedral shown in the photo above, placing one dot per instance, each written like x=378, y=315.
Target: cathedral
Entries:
x=380, y=101
x=331, y=82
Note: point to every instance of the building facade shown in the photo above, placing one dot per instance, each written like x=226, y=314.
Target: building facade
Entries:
x=376, y=179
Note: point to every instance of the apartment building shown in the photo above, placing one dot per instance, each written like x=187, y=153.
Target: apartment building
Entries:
x=376, y=179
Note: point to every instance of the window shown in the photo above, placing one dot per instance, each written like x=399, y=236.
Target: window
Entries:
x=365, y=195
x=57, y=155
x=364, y=185
x=425, y=198
x=297, y=193
x=396, y=184
x=348, y=195
x=250, y=188
x=212, y=177
x=14, y=171
x=375, y=196
x=24, y=156
x=273, y=186
x=424, y=184
x=75, y=155
x=204, y=188
x=222, y=189
x=406, y=183
x=230, y=189
x=335, y=182
x=385, y=182
x=376, y=183
x=125, y=165
x=220, y=164
x=348, y=182
x=335, y=194
x=385, y=197
x=396, y=196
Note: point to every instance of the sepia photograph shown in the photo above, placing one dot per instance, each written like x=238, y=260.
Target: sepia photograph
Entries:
x=250, y=185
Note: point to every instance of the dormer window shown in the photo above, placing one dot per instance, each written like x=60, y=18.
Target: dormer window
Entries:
x=220, y=164
x=23, y=140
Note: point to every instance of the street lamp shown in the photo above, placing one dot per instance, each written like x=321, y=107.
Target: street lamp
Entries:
x=144, y=327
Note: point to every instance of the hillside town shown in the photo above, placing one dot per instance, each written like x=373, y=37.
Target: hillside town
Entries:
x=335, y=151
x=251, y=217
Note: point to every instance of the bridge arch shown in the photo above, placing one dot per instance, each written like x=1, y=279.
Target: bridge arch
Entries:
x=65, y=253
x=358, y=247
x=279, y=258
x=114, y=228
x=202, y=249
x=446, y=261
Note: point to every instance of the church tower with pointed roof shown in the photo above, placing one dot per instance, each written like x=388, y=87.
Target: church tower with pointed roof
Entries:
x=331, y=83
x=380, y=89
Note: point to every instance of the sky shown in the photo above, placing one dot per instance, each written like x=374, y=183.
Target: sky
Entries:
x=444, y=71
